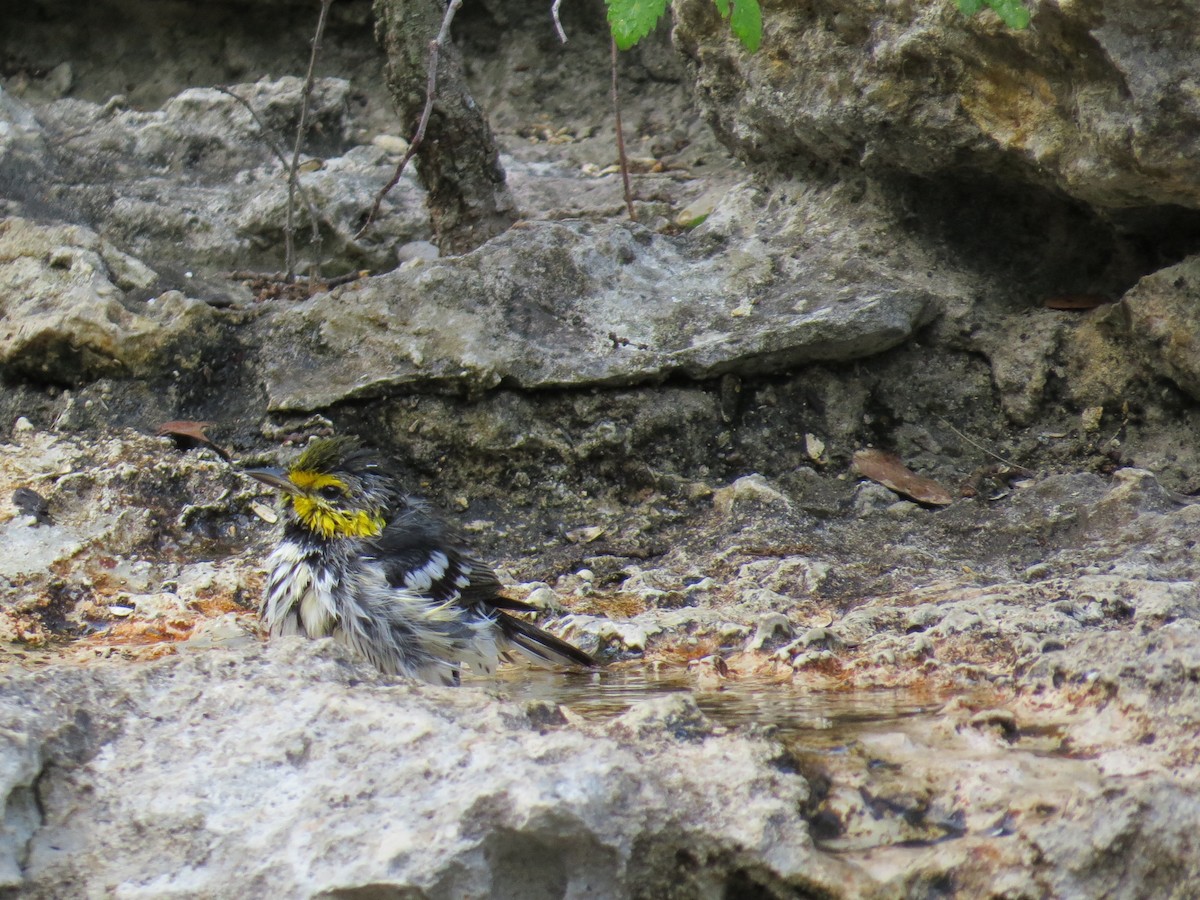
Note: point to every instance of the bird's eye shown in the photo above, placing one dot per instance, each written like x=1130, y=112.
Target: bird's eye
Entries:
x=331, y=492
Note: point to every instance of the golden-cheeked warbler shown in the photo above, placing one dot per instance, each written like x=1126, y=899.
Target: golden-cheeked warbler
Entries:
x=363, y=562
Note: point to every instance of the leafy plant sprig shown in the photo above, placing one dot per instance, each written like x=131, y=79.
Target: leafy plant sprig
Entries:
x=632, y=20
x=1012, y=12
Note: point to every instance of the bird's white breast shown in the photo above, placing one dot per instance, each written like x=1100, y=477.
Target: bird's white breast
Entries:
x=299, y=597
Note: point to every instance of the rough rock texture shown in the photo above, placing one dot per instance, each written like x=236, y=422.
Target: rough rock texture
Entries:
x=61, y=292
x=1069, y=642
x=564, y=305
x=466, y=796
x=137, y=545
x=196, y=187
x=1092, y=100
x=969, y=247
x=1159, y=315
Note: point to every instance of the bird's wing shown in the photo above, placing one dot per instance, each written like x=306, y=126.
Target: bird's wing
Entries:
x=422, y=554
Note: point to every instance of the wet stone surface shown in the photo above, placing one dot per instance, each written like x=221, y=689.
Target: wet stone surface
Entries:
x=924, y=709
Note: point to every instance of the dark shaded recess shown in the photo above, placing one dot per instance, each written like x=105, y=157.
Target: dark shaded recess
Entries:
x=39, y=36
x=481, y=27
x=670, y=868
x=19, y=397
x=933, y=887
x=1037, y=240
x=373, y=892
x=55, y=614
x=745, y=884
x=222, y=387
x=1159, y=236
x=225, y=388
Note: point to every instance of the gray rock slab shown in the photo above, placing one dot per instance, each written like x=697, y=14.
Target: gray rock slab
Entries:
x=63, y=309
x=1161, y=321
x=23, y=152
x=1094, y=99
x=195, y=185
x=571, y=304
x=290, y=772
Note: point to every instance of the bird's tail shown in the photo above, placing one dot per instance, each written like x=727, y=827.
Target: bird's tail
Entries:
x=541, y=645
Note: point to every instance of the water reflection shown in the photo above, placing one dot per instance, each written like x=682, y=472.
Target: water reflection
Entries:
x=883, y=767
x=822, y=718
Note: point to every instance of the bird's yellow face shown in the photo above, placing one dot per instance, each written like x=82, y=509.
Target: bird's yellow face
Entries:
x=334, y=490
x=324, y=503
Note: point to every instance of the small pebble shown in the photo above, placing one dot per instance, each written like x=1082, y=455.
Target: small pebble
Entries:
x=31, y=503
x=544, y=598
x=265, y=513
x=415, y=250
x=390, y=143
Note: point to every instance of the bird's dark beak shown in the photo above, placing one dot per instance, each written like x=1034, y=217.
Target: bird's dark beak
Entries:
x=276, y=478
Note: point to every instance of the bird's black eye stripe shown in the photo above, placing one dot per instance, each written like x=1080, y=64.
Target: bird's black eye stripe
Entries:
x=331, y=492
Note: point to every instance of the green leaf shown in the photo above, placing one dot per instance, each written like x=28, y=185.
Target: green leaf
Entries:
x=632, y=20
x=746, y=22
x=1012, y=12
x=723, y=8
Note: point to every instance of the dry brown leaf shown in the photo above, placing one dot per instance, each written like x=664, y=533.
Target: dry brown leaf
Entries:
x=1075, y=301
x=185, y=428
x=189, y=434
x=888, y=470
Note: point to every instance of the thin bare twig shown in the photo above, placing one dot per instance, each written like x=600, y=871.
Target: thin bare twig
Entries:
x=979, y=446
x=289, y=229
x=435, y=48
x=562, y=35
x=274, y=147
x=621, y=137
x=444, y=31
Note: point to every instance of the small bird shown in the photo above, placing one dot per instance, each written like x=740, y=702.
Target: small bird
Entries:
x=374, y=568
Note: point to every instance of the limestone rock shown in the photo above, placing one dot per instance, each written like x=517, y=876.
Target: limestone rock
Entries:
x=924, y=89
x=571, y=304
x=64, y=312
x=290, y=771
x=132, y=520
x=1162, y=321
x=195, y=186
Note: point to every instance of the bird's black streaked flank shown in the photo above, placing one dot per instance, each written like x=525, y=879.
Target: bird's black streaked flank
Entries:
x=374, y=568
